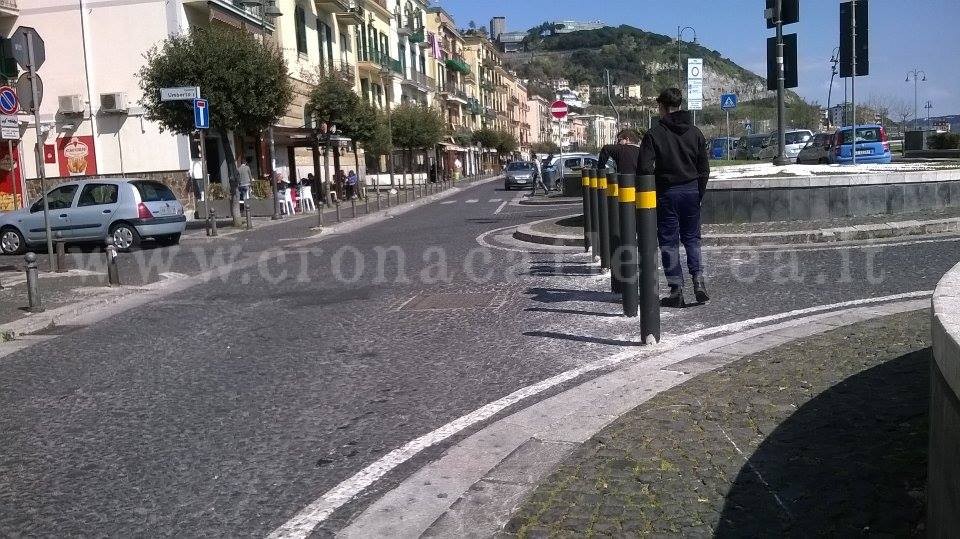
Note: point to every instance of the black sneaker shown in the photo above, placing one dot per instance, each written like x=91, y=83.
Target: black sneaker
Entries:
x=700, y=288
x=675, y=299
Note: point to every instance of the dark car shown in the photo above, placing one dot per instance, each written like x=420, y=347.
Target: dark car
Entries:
x=820, y=150
x=519, y=174
x=749, y=147
x=719, y=145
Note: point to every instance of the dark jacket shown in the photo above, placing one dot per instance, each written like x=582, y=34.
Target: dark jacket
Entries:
x=626, y=156
x=675, y=151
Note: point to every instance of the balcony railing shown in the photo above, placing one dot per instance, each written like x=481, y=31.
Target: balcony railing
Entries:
x=455, y=90
x=341, y=69
x=420, y=80
x=381, y=59
x=458, y=64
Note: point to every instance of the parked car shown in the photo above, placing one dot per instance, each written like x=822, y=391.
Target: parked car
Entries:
x=91, y=210
x=873, y=145
x=719, y=145
x=794, y=140
x=573, y=163
x=519, y=174
x=749, y=146
x=819, y=150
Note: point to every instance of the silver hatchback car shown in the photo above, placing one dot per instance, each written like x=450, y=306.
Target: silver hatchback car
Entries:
x=91, y=210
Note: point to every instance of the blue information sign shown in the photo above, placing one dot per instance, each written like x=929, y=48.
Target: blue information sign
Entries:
x=201, y=114
x=728, y=101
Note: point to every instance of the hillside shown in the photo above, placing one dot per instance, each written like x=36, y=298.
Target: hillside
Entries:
x=633, y=56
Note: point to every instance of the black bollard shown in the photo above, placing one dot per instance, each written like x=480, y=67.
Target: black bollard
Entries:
x=113, y=274
x=594, y=214
x=603, y=219
x=212, y=223
x=613, y=216
x=353, y=207
x=337, y=204
x=246, y=210
x=648, y=250
x=33, y=284
x=629, y=269
x=61, y=253
x=585, y=187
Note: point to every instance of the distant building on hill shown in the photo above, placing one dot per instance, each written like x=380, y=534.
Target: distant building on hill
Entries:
x=566, y=27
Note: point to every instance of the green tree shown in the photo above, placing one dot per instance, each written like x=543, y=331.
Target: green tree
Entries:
x=486, y=137
x=245, y=82
x=332, y=102
x=368, y=128
x=506, y=143
x=416, y=127
x=547, y=147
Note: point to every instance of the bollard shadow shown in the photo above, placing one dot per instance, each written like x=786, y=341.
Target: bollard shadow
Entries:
x=581, y=338
x=550, y=270
x=573, y=311
x=561, y=295
x=850, y=462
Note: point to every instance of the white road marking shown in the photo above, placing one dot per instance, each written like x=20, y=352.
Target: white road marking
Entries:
x=500, y=207
x=495, y=200
x=449, y=202
x=473, y=201
x=304, y=522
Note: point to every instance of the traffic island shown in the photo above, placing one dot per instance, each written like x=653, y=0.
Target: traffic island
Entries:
x=568, y=230
x=826, y=435
x=943, y=489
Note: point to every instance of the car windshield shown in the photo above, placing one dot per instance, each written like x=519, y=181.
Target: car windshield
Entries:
x=795, y=137
x=519, y=166
x=754, y=141
x=864, y=134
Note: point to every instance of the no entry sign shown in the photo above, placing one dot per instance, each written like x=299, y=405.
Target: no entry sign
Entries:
x=559, y=109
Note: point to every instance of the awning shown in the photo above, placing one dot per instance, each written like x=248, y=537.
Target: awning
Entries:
x=450, y=147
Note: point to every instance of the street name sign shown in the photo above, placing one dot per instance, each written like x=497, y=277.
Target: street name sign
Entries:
x=559, y=109
x=180, y=93
x=728, y=101
x=19, y=45
x=201, y=114
x=9, y=128
x=9, y=104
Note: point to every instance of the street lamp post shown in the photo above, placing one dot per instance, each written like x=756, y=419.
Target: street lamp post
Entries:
x=928, y=105
x=680, y=32
x=269, y=9
x=834, y=60
x=384, y=75
x=916, y=74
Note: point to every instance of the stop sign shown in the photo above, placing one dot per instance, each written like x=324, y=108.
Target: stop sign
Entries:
x=559, y=109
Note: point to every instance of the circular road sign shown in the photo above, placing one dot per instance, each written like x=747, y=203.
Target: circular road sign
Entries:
x=559, y=109
x=9, y=104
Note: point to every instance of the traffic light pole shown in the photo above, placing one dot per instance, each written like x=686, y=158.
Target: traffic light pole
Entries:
x=781, y=159
x=853, y=80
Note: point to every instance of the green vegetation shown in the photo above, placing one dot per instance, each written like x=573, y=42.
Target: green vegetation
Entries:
x=945, y=141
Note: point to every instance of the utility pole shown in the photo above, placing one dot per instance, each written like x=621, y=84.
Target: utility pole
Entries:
x=853, y=78
x=781, y=159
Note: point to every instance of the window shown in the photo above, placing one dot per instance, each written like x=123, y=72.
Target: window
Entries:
x=572, y=163
x=59, y=199
x=96, y=194
x=154, y=192
x=320, y=39
x=300, y=22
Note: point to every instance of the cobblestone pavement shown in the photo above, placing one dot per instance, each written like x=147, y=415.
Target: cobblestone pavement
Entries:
x=822, y=436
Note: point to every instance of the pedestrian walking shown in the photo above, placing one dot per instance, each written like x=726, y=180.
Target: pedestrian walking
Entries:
x=244, y=179
x=457, y=168
x=352, y=184
x=675, y=152
x=538, y=179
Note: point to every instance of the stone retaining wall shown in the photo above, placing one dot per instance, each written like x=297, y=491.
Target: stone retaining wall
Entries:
x=943, y=476
x=747, y=200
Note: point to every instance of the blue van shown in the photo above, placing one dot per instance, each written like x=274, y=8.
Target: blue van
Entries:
x=873, y=146
x=718, y=147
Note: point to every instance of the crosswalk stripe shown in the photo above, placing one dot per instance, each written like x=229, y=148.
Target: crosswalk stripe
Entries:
x=449, y=202
x=473, y=201
x=496, y=200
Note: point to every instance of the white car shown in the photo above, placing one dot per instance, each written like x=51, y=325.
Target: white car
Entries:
x=794, y=141
x=91, y=210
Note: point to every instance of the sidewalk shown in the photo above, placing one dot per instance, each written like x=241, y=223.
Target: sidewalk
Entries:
x=826, y=435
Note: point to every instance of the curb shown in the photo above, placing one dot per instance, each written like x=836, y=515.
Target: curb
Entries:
x=547, y=201
x=474, y=486
x=894, y=229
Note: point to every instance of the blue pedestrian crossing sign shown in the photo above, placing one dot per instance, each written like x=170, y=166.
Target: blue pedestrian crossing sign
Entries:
x=201, y=114
x=728, y=101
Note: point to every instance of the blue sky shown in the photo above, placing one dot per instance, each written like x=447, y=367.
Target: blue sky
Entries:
x=904, y=34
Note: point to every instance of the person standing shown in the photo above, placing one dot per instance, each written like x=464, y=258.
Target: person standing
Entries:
x=244, y=179
x=625, y=153
x=352, y=184
x=675, y=152
x=538, y=178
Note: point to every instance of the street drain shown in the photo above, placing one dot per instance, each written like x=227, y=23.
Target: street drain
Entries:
x=453, y=300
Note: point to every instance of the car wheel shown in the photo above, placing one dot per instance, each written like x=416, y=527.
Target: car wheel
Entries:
x=168, y=240
x=12, y=241
x=125, y=237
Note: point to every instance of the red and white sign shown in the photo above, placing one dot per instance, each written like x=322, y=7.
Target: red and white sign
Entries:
x=77, y=156
x=559, y=109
